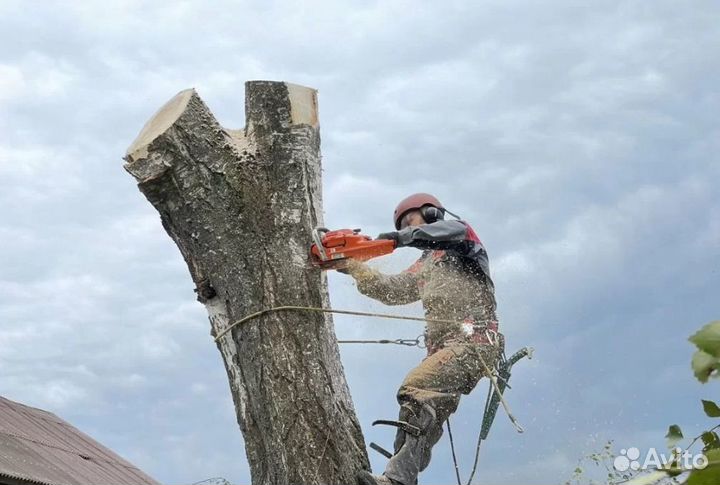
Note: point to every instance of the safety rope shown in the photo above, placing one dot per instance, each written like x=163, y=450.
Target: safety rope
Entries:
x=452, y=448
x=477, y=448
x=493, y=380
x=329, y=310
x=480, y=439
x=409, y=342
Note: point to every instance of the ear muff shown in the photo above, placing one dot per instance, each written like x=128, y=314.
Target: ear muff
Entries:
x=432, y=214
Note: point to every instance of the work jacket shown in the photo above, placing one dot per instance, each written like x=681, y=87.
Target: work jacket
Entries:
x=451, y=277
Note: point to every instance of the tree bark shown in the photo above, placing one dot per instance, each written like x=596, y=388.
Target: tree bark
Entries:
x=240, y=206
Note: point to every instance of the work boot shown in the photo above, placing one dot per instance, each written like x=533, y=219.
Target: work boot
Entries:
x=364, y=477
x=412, y=452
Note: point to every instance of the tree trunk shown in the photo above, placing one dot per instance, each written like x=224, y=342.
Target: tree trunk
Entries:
x=240, y=206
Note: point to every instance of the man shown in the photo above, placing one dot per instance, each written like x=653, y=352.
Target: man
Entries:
x=452, y=278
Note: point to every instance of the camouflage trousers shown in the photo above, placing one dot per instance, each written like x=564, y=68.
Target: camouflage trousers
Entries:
x=428, y=396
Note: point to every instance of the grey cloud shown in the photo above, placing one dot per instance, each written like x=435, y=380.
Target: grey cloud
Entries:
x=579, y=140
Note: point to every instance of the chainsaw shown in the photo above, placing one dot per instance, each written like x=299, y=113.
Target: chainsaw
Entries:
x=331, y=248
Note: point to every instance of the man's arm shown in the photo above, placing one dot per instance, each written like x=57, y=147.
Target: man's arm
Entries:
x=438, y=235
x=399, y=289
x=445, y=235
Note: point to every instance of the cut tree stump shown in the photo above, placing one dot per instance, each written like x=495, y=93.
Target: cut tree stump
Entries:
x=240, y=205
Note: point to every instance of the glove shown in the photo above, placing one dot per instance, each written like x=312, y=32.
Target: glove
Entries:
x=392, y=236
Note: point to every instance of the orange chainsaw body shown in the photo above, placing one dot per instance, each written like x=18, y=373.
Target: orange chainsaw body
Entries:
x=333, y=246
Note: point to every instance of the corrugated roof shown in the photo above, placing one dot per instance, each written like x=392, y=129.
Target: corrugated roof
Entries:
x=38, y=447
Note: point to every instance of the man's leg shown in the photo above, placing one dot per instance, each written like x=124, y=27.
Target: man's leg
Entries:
x=428, y=396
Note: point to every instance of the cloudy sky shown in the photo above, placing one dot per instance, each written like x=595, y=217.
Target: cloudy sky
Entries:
x=580, y=139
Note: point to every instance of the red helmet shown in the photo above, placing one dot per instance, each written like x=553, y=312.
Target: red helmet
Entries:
x=415, y=201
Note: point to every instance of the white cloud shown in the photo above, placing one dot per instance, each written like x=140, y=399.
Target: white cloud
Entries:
x=62, y=394
x=35, y=77
x=11, y=82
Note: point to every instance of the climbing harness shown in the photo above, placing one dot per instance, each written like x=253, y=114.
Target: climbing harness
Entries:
x=499, y=375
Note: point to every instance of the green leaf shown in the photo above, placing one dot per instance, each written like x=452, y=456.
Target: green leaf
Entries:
x=707, y=338
x=711, y=440
x=709, y=475
x=703, y=365
x=711, y=409
x=673, y=435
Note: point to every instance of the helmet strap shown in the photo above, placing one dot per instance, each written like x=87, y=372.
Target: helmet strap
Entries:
x=454, y=215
